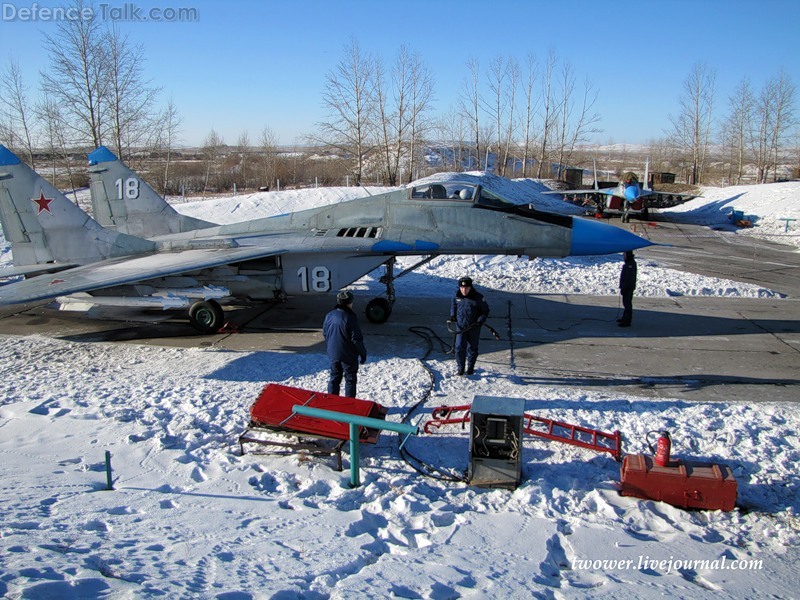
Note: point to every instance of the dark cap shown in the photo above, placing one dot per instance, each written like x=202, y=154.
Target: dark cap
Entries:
x=465, y=281
x=344, y=297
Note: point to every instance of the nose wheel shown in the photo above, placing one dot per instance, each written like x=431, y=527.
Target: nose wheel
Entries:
x=378, y=310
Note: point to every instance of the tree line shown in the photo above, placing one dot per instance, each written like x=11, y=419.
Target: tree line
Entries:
x=523, y=118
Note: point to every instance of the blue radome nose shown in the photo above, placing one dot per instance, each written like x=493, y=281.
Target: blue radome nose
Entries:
x=631, y=192
x=592, y=237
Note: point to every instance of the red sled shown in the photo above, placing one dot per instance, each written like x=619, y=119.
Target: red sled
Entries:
x=273, y=410
x=685, y=484
x=271, y=413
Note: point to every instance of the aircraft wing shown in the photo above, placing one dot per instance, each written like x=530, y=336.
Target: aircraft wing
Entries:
x=605, y=191
x=33, y=270
x=127, y=270
x=676, y=194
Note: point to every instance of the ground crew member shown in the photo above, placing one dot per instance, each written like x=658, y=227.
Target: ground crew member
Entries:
x=468, y=311
x=345, y=345
x=627, y=283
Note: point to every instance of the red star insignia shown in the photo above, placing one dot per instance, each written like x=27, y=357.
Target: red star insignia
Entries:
x=42, y=203
x=56, y=281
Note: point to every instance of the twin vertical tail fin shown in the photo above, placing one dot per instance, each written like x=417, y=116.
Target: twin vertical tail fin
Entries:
x=45, y=227
x=122, y=201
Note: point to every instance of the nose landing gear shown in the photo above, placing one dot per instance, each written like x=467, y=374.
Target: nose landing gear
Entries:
x=379, y=309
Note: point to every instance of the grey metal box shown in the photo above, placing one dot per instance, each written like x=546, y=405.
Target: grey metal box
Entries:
x=495, y=443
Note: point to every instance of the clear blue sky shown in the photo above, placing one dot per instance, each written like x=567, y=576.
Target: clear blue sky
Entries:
x=244, y=65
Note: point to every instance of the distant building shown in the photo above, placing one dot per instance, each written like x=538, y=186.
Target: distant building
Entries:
x=660, y=178
x=574, y=177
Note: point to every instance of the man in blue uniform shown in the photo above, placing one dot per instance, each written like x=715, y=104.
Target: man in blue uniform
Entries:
x=627, y=283
x=469, y=311
x=345, y=345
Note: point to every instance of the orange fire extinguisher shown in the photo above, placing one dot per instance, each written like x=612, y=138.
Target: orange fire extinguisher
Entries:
x=662, y=449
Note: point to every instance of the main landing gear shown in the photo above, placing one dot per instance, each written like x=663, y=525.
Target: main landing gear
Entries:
x=206, y=316
x=379, y=309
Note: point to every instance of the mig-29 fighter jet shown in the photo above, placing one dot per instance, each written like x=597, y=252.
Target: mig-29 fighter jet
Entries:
x=66, y=255
x=628, y=197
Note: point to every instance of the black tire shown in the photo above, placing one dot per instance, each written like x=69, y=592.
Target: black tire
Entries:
x=206, y=316
x=378, y=310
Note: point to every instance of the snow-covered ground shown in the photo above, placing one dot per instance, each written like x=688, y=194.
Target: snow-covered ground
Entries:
x=191, y=518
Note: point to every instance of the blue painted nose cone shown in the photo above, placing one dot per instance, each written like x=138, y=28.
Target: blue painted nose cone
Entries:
x=592, y=237
x=631, y=192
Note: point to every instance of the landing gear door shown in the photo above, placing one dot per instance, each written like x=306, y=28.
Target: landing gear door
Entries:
x=324, y=273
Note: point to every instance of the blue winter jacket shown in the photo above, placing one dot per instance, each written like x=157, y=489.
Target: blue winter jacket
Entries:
x=627, y=277
x=343, y=336
x=469, y=310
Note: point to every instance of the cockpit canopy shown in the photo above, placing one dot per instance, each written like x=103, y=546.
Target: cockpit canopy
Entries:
x=460, y=191
x=481, y=197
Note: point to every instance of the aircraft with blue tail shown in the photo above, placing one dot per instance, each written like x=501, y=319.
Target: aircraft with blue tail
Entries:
x=196, y=266
x=627, y=198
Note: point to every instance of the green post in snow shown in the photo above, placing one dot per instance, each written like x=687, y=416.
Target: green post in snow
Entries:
x=355, y=422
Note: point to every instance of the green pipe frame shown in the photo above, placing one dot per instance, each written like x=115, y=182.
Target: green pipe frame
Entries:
x=355, y=421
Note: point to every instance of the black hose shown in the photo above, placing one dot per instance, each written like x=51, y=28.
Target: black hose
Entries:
x=416, y=463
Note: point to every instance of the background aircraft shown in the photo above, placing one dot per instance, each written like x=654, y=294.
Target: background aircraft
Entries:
x=314, y=251
x=627, y=197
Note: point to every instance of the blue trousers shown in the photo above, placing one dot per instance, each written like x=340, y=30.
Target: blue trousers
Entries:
x=467, y=348
x=627, y=305
x=344, y=370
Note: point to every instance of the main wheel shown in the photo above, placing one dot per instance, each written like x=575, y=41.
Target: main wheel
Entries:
x=378, y=310
x=206, y=316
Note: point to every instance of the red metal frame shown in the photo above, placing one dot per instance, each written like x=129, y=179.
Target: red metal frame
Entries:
x=558, y=431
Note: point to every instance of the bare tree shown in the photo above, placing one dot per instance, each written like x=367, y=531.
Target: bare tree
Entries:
x=503, y=81
x=77, y=76
x=15, y=104
x=130, y=96
x=692, y=126
x=567, y=82
x=49, y=112
x=212, y=155
x=784, y=116
x=401, y=109
x=167, y=136
x=530, y=110
x=269, y=148
x=420, y=92
x=497, y=104
x=736, y=128
x=452, y=130
x=243, y=150
x=388, y=133
x=470, y=106
x=575, y=127
x=548, y=115
x=512, y=124
x=349, y=98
